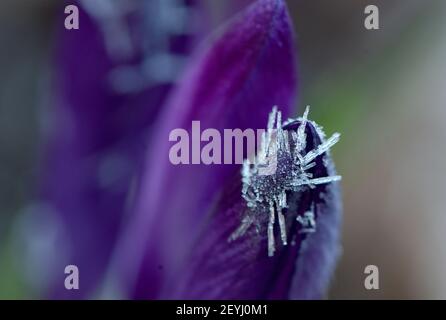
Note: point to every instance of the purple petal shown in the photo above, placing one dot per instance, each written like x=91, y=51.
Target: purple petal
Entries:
x=107, y=97
x=233, y=82
x=318, y=254
x=241, y=269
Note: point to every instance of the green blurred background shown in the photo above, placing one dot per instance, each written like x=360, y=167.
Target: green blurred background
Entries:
x=384, y=90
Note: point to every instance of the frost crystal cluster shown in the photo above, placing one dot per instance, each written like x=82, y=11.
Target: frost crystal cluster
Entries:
x=280, y=168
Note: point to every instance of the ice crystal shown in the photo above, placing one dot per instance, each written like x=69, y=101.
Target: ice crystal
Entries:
x=280, y=167
x=307, y=222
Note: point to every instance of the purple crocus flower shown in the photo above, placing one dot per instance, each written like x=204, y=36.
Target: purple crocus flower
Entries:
x=189, y=236
x=112, y=76
x=164, y=231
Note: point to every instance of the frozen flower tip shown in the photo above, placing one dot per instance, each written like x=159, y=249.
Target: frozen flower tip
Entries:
x=283, y=169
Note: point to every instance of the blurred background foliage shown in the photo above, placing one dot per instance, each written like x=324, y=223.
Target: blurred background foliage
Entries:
x=384, y=90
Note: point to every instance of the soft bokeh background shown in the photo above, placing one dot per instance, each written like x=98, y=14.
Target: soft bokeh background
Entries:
x=383, y=90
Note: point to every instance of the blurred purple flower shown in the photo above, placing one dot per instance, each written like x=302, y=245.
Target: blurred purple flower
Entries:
x=112, y=76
